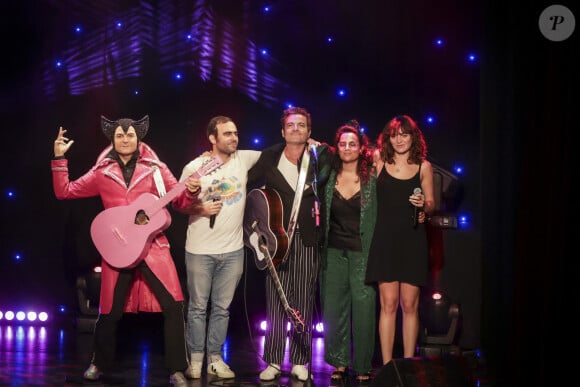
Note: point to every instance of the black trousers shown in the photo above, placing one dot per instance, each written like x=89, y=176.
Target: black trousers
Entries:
x=105, y=337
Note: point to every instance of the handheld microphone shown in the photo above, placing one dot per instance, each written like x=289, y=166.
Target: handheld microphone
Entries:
x=212, y=217
x=416, y=191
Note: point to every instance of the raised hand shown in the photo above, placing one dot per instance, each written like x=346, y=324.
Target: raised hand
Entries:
x=62, y=143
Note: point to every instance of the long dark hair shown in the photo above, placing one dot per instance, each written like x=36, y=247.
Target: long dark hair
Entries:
x=365, y=155
x=418, y=150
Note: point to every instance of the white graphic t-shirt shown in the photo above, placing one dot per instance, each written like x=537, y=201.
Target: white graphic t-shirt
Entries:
x=227, y=184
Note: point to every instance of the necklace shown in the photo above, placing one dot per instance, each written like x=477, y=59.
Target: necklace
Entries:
x=397, y=166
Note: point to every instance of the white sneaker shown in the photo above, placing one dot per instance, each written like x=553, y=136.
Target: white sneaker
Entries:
x=301, y=372
x=178, y=379
x=221, y=369
x=270, y=373
x=193, y=371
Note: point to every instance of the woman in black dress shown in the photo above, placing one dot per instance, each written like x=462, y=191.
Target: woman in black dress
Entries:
x=398, y=258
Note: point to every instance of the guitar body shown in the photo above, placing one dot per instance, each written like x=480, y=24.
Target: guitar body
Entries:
x=122, y=242
x=264, y=233
x=123, y=234
x=263, y=223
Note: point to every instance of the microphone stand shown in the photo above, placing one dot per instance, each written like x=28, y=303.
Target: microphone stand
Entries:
x=309, y=382
x=316, y=212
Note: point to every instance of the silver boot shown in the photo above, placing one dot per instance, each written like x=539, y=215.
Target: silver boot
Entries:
x=92, y=373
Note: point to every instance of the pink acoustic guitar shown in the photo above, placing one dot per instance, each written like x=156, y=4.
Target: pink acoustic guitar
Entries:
x=123, y=234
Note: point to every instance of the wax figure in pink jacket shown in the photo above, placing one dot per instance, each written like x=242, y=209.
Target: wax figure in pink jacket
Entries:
x=123, y=172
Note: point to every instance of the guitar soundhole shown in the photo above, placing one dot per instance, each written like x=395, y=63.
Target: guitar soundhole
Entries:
x=141, y=218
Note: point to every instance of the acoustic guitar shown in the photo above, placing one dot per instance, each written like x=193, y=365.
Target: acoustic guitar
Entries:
x=123, y=234
x=264, y=234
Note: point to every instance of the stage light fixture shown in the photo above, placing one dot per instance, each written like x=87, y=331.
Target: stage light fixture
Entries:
x=260, y=326
x=9, y=315
x=317, y=327
x=19, y=317
x=439, y=317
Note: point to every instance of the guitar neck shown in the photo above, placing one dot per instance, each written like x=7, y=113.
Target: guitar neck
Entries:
x=212, y=164
x=278, y=284
x=166, y=199
x=293, y=314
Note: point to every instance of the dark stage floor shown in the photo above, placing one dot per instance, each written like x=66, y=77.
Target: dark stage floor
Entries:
x=57, y=356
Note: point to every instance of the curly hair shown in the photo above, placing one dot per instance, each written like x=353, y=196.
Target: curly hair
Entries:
x=365, y=155
x=405, y=124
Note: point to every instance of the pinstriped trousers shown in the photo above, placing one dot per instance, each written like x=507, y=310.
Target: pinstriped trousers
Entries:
x=298, y=275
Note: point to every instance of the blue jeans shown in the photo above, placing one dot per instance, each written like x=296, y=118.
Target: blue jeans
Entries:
x=210, y=278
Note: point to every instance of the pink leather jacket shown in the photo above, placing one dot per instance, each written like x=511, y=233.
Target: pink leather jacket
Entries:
x=105, y=179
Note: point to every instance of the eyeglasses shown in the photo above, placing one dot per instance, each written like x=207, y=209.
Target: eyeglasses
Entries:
x=351, y=145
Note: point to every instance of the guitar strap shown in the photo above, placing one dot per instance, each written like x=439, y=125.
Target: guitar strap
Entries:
x=297, y=199
x=159, y=181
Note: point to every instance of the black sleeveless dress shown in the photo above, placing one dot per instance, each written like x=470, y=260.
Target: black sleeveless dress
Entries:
x=398, y=250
